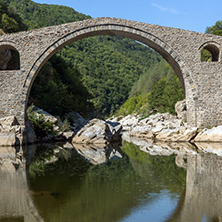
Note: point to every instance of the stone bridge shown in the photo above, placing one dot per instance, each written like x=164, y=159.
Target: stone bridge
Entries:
x=181, y=49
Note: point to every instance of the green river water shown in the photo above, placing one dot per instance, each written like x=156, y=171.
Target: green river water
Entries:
x=60, y=185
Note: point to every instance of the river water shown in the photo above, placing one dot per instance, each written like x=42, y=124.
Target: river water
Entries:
x=122, y=184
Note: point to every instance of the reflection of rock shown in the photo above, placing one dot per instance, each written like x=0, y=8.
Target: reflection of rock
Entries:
x=98, y=132
x=97, y=154
x=160, y=148
x=215, y=148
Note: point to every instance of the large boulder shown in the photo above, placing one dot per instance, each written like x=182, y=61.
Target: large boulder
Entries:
x=142, y=131
x=178, y=134
x=98, y=132
x=210, y=135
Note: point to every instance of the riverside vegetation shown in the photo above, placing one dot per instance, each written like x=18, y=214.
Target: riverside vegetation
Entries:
x=97, y=76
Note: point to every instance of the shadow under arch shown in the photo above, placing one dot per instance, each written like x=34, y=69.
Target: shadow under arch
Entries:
x=170, y=55
x=11, y=56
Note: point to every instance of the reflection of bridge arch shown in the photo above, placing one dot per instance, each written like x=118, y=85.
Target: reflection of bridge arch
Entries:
x=15, y=199
x=203, y=194
x=180, y=48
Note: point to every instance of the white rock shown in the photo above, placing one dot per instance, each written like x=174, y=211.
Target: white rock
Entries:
x=7, y=139
x=97, y=131
x=210, y=135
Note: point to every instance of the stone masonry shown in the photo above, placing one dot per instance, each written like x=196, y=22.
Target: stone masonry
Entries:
x=181, y=49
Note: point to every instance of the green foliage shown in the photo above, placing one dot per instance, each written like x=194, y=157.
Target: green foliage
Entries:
x=206, y=56
x=58, y=89
x=149, y=78
x=216, y=29
x=65, y=126
x=37, y=15
x=41, y=126
x=9, y=19
x=161, y=94
x=109, y=68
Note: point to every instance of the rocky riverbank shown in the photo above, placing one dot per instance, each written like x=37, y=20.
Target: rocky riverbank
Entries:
x=157, y=128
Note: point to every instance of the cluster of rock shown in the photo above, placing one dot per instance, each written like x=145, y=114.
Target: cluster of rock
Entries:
x=158, y=127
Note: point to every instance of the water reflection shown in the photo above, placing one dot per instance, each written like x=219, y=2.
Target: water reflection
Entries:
x=99, y=153
x=16, y=203
x=172, y=183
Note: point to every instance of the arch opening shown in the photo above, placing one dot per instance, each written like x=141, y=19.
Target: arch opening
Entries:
x=210, y=53
x=9, y=58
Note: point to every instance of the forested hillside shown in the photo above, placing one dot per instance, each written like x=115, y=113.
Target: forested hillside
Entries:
x=104, y=67
x=157, y=90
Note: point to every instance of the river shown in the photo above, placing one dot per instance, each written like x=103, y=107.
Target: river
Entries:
x=124, y=184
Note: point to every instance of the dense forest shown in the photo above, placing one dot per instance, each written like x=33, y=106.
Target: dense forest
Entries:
x=99, y=75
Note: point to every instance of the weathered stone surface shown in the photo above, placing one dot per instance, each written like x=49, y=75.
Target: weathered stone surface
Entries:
x=178, y=134
x=210, y=135
x=129, y=122
x=77, y=120
x=142, y=131
x=9, y=121
x=7, y=139
x=181, y=110
x=47, y=116
x=98, y=132
x=68, y=135
x=31, y=136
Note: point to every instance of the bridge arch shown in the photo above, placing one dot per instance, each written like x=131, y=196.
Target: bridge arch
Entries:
x=145, y=37
x=10, y=55
x=213, y=48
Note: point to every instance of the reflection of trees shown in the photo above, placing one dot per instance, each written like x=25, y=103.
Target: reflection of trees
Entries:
x=105, y=192
x=73, y=188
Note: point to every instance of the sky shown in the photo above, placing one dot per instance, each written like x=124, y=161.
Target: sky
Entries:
x=193, y=15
